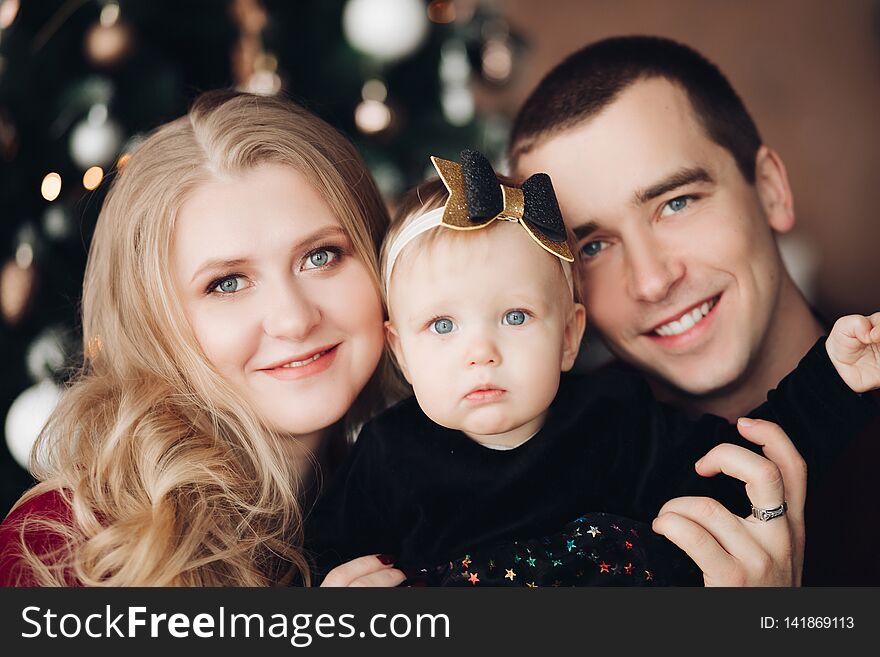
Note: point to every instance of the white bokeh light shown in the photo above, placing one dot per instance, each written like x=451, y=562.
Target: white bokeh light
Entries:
x=26, y=418
x=96, y=140
x=385, y=29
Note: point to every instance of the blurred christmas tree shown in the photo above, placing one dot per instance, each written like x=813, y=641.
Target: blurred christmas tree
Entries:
x=81, y=81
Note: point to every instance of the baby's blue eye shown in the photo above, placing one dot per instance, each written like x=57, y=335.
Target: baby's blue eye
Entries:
x=442, y=326
x=230, y=284
x=515, y=318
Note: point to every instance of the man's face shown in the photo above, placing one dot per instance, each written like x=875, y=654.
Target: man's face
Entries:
x=680, y=269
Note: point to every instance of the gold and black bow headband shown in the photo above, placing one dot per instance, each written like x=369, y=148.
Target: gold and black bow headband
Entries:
x=476, y=199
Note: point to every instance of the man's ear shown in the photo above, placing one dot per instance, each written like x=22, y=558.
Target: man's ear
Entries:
x=393, y=340
x=572, y=335
x=771, y=182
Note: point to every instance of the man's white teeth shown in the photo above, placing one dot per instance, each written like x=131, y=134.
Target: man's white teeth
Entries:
x=300, y=363
x=686, y=321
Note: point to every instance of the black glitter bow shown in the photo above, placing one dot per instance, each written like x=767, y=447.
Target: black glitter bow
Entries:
x=476, y=198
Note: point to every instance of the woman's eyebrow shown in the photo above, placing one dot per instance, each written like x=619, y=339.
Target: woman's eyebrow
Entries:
x=678, y=179
x=219, y=263
x=232, y=263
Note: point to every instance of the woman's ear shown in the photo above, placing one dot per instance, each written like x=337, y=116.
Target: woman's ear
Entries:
x=771, y=183
x=393, y=340
x=572, y=335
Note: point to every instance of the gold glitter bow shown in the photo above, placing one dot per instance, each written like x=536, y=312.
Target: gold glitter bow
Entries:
x=456, y=213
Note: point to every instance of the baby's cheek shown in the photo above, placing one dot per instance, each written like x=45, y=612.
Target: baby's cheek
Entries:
x=436, y=401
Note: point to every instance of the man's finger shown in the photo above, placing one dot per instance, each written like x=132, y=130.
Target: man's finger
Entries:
x=717, y=565
x=778, y=448
x=763, y=479
x=728, y=530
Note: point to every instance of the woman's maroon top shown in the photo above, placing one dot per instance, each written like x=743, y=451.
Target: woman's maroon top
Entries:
x=49, y=505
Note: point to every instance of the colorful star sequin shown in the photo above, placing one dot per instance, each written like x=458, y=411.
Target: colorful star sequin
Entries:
x=619, y=555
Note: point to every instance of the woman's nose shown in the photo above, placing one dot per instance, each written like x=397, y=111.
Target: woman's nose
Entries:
x=293, y=315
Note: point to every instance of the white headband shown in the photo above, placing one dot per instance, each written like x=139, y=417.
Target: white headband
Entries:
x=423, y=224
x=415, y=228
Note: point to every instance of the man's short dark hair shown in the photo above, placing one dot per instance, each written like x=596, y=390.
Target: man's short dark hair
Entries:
x=592, y=78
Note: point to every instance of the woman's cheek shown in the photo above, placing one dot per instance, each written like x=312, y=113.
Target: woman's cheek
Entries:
x=228, y=334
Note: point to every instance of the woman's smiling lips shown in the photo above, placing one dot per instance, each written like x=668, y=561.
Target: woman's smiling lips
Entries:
x=300, y=367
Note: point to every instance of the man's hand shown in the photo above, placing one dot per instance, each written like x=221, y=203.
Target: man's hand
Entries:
x=733, y=551
x=854, y=349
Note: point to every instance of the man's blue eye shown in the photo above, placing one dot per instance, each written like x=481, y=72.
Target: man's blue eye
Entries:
x=515, y=318
x=677, y=204
x=442, y=326
x=592, y=249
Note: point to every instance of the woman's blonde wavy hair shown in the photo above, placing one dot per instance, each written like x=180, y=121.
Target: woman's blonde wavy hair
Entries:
x=171, y=478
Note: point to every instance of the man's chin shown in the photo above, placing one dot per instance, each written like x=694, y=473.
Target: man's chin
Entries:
x=705, y=379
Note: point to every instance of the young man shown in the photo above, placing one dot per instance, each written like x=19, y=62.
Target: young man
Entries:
x=674, y=202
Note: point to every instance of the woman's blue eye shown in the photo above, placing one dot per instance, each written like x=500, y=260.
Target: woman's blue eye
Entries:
x=515, y=318
x=319, y=258
x=229, y=284
x=592, y=249
x=677, y=204
x=442, y=326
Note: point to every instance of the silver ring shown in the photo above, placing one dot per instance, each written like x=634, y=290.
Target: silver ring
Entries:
x=768, y=514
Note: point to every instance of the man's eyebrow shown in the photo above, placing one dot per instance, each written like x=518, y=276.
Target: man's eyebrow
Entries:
x=678, y=179
x=233, y=263
x=584, y=230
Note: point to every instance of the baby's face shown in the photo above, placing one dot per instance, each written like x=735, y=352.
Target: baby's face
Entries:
x=482, y=324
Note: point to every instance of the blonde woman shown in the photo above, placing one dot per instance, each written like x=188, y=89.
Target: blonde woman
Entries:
x=232, y=328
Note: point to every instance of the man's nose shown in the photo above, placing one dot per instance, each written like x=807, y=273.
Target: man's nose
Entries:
x=293, y=314
x=652, y=269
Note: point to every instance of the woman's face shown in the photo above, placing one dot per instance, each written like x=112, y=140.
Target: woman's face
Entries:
x=276, y=296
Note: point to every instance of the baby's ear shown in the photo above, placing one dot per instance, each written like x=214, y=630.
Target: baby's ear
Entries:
x=393, y=340
x=572, y=335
